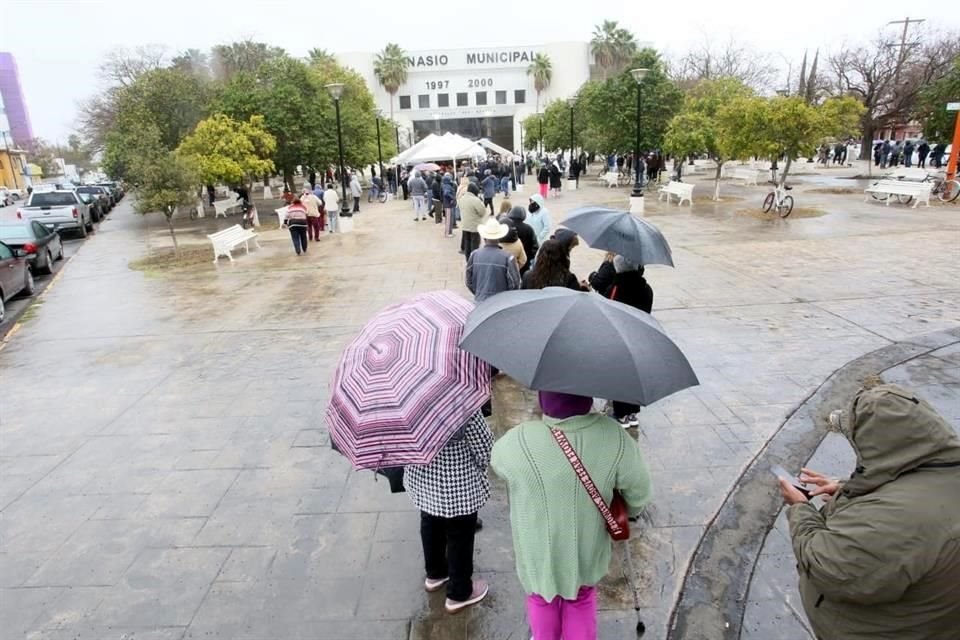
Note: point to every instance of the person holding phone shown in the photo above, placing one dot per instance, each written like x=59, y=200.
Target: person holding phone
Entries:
x=881, y=559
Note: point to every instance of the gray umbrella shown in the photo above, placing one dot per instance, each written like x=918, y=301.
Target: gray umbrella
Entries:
x=620, y=232
x=557, y=339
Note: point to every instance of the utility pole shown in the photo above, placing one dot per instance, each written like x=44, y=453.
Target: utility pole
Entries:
x=901, y=58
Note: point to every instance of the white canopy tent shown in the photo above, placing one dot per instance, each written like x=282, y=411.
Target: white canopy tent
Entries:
x=449, y=146
x=493, y=146
x=401, y=158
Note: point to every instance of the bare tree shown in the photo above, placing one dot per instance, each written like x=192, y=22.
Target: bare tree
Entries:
x=122, y=66
x=887, y=76
x=730, y=60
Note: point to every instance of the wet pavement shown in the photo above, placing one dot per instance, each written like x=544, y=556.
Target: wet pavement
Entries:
x=167, y=473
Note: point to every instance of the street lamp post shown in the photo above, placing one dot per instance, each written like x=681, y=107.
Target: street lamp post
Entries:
x=380, y=153
x=571, y=102
x=541, y=135
x=336, y=90
x=636, y=196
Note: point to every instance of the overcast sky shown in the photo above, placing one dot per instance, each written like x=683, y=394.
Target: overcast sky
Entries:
x=60, y=43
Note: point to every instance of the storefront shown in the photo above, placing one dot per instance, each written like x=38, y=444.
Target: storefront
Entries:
x=476, y=92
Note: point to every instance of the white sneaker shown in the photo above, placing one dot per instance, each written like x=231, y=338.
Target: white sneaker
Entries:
x=629, y=421
x=480, y=590
x=434, y=585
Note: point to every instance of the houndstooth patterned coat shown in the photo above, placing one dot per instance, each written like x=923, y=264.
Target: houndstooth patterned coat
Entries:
x=455, y=483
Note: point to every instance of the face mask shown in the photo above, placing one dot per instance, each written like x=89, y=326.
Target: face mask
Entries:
x=534, y=207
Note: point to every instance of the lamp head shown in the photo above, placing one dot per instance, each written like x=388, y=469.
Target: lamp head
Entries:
x=639, y=74
x=335, y=89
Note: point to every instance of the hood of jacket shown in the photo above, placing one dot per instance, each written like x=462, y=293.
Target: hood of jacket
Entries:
x=447, y=180
x=894, y=432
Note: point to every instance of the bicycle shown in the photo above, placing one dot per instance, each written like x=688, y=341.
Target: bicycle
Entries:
x=780, y=199
x=945, y=190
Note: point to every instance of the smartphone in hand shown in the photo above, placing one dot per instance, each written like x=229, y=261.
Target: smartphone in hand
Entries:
x=780, y=472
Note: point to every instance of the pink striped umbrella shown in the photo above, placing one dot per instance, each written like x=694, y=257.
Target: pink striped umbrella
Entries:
x=404, y=386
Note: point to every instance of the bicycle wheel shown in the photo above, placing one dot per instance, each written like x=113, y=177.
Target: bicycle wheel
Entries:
x=785, y=206
x=768, y=202
x=904, y=199
x=949, y=191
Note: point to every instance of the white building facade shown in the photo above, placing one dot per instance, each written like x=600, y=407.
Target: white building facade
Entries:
x=476, y=92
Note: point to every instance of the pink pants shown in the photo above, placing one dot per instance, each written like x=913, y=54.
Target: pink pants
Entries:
x=566, y=619
x=543, y=190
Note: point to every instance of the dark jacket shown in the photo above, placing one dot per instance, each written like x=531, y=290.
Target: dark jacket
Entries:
x=491, y=270
x=923, y=149
x=489, y=185
x=629, y=287
x=528, y=238
x=449, y=192
x=556, y=178
x=568, y=280
x=601, y=279
x=881, y=560
x=543, y=175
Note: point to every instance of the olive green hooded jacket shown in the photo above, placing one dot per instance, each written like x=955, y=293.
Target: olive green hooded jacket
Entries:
x=882, y=559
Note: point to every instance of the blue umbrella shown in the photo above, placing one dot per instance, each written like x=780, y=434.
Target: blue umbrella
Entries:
x=620, y=232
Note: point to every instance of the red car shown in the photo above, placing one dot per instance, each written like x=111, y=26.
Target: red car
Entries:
x=15, y=276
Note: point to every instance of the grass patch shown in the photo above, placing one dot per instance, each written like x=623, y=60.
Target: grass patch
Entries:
x=166, y=260
x=798, y=212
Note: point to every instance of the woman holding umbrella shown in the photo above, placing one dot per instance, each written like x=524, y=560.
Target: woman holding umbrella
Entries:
x=449, y=492
x=552, y=269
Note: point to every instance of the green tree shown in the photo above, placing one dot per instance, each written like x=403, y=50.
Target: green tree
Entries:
x=556, y=127
x=390, y=69
x=612, y=46
x=937, y=122
x=162, y=182
x=224, y=150
x=790, y=127
x=320, y=56
x=541, y=69
x=242, y=56
x=609, y=108
x=708, y=124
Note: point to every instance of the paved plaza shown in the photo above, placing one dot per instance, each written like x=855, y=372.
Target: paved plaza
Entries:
x=167, y=475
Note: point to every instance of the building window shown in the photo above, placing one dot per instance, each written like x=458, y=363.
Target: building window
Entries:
x=501, y=97
x=443, y=99
x=461, y=99
x=481, y=98
x=520, y=96
x=404, y=102
x=423, y=101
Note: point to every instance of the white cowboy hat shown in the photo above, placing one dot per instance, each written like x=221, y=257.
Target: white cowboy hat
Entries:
x=492, y=230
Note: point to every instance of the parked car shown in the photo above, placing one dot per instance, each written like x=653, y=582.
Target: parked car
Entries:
x=6, y=198
x=15, y=194
x=58, y=209
x=97, y=210
x=115, y=188
x=106, y=199
x=15, y=276
x=41, y=243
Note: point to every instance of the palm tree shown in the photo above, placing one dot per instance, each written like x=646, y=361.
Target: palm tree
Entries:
x=542, y=71
x=320, y=57
x=390, y=68
x=612, y=46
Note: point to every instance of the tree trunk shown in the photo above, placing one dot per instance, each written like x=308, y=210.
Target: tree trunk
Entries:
x=266, y=180
x=288, y=178
x=173, y=234
x=866, y=143
x=786, y=170
x=716, y=179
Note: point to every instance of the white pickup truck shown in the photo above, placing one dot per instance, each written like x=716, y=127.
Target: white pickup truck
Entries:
x=61, y=209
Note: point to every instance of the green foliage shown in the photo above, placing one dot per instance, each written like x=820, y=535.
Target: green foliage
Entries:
x=938, y=123
x=699, y=127
x=224, y=150
x=390, y=67
x=612, y=46
x=556, y=127
x=244, y=56
x=609, y=107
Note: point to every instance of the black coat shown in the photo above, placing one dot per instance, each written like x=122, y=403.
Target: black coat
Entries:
x=602, y=278
x=629, y=287
x=556, y=178
x=528, y=238
x=543, y=176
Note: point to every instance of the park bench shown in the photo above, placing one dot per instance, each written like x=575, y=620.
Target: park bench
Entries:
x=611, y=179
x=887, y=189
x=224, y=242
x=747, y=174
x=682, y=190
x=281, y=214
x=221, y=207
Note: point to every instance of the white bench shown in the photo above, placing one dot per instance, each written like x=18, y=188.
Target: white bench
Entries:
x=747, y=174
x=682, y=190
x=611, y=178
x=221, y=207
x=281, y=214
x=919, y=191
x=224, y=242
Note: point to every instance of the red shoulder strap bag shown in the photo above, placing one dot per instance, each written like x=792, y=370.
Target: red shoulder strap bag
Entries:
x=615, y=515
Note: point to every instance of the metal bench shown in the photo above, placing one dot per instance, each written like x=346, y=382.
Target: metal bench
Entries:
x=224, y=242
x=904, y=190
x=682, y=190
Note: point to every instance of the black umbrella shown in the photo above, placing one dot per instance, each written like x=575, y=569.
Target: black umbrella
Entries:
x=557, y=339
x=620, y=232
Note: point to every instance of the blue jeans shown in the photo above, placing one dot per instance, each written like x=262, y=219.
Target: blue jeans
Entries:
x=333, y=217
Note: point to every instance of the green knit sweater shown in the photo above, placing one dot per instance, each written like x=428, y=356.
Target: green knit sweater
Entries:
x=559, y=537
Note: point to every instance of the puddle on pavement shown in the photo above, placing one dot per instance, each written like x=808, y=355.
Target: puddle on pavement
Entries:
x=798, y=212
